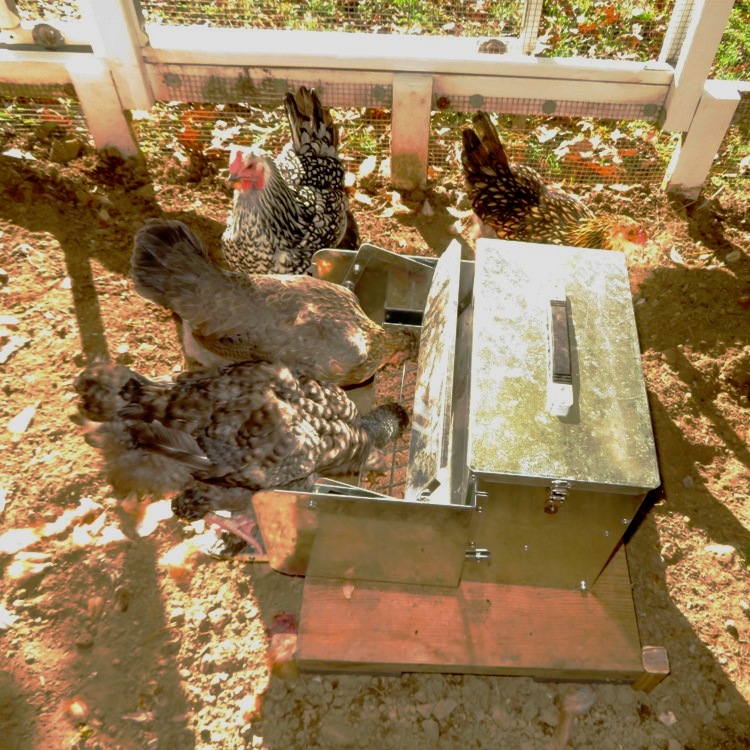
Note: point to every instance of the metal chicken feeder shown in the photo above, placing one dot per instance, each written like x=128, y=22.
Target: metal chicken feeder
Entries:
x=531, y=450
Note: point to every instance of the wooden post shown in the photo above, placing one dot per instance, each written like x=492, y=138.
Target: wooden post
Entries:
x=692, y=159
x=655, y=668
x=119, y=40
x=694, y=63
x=532, y=17
x=97, y=93
x=410, y=129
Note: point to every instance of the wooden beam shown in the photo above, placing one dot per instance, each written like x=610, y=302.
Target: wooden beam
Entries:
x=118, y=39
x=97, y=94
x=410, y=130
x=692, y=159
x=75, y=33
x=35, y=68
x=355, y=52
x=693, y=66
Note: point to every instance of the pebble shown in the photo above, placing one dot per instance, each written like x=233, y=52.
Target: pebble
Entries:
x=724, y=708
x=338, y=732
x=65, y=151
x=724, y=553
x=431, y=729
x=733, y=257
x=444, y=708
x=674, y=744
x=177, y=616
x=731, y=628
x=669, y=356
x=688, y=483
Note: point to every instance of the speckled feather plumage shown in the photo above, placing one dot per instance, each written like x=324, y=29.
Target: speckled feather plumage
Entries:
x=514, y=201
x=251, y=425
x=316, y=327
x=302, y=206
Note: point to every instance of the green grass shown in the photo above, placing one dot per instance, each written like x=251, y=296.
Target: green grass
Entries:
x=733, y=56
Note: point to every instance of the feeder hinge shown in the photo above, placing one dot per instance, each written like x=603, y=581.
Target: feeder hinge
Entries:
x=558, y=493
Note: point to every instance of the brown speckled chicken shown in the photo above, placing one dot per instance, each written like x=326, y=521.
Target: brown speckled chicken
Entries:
x=514, y=201
x=286, y=209
x=251, y=425
x=316, y=327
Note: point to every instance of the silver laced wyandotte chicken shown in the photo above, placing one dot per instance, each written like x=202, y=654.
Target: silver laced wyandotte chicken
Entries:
x=513, y=200
x=316, y=327
x=285, y=209
x=250, y=425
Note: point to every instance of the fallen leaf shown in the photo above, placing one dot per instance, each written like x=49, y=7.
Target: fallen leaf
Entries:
x=675, y=257
x=15, y=540
x=153, y=513
x=362, y=198
x=20, y=423
x=7, y=618
x=367, y=167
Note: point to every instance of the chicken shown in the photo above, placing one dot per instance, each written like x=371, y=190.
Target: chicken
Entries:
x=514, y=201
x=316, y=327
x=284, y=210
x=250, y=425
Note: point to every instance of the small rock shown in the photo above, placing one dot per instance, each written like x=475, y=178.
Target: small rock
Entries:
x=4, y=276
x=549, y=716
x=177, y=616
x=733, y=257
x=65, y=151
x=688, y=483
x=338, y=732
x=444, y=708
x=731, y=628
x=218, y=618
x=724, y=553
x=431, y=729
x=669, y=356
x=670, y=553
x=668, y=718
x=674, y=744
x=724, y=708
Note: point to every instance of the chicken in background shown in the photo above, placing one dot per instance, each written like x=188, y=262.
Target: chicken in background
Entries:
x=249, y=425
x=285, y=209
x=315, y=327
x=513, y=200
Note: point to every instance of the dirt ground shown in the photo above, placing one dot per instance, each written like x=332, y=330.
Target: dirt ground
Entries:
x=103, y=645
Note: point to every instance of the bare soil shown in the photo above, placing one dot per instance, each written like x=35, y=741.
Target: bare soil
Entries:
x=103, y=644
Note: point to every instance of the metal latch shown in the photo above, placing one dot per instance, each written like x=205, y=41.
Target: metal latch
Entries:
x=558, y=493
x=478, y=498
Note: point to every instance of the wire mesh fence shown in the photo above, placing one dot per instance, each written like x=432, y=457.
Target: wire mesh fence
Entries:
x=32, y=113
x=468, y=17
x=733, y=160
x=627, y=29
x=34, y=10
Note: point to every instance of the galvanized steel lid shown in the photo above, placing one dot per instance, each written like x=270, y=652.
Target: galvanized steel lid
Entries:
x=514, y=432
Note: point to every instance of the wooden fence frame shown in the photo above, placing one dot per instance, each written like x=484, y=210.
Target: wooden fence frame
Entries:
x=122, y=66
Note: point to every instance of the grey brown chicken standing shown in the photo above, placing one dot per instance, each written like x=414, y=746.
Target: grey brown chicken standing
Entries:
x=314, y=326
x=514, y=201
x=285, y=209
x=213, y=436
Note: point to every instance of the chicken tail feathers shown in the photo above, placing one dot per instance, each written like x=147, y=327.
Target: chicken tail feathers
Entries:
x=311, y=123
x=167, y=262
x=482, y=146
x=385, y=423
x=174, y=444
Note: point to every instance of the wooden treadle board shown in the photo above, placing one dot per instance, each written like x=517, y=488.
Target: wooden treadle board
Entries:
x=478, y=627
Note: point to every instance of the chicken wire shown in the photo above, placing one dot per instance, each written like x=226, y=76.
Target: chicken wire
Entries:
x=208, y=113
x=30, y=113
x=733, y=158
x=467, y=17
x=563, y=148
x=34, y=10
x=625, y=30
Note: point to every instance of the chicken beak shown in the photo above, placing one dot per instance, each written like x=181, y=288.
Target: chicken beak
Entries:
x=233, y=181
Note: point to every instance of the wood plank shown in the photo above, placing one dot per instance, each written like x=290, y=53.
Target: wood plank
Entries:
x=360, y=52
x=478, y=627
